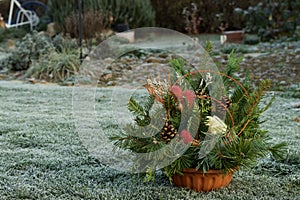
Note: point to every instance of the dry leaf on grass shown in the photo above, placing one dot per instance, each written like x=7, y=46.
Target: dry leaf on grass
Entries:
x=297, y=119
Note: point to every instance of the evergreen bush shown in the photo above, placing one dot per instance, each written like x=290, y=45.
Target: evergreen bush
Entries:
x=135, y=13
x=213, y=13
x=52, y=59
x=100, y=14
x=93, y=23
x=29, y=48
x=271, y=19
x=12, y=33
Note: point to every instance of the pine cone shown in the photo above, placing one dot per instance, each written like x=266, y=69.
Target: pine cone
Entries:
x=168, y=132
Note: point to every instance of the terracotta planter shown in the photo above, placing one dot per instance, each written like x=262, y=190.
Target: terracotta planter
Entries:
x=234, y=36
x=199, y=181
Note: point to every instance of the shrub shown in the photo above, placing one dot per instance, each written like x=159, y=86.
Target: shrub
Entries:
x=100, y=14
x=12, y=33
x=135, y=13
x=59, y=10
x=213, y=13
x=64, y=43
x=55, y=66
x=65, y=14
x=93, y=22
x=58, y=64
x=251, y=39
x=44, y=58
x=234, y=48
x=29, y=48
x=272, y=19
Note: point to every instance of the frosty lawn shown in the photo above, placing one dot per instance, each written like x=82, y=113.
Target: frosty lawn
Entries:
x=43, y=158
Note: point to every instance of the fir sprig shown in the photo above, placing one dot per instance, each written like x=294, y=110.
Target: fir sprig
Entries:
x=142, y=113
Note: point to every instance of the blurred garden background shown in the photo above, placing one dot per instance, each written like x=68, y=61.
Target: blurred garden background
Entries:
x=268, y=33
x=41, y=155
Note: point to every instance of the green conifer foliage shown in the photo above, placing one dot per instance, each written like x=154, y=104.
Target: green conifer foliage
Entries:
x=227, y=145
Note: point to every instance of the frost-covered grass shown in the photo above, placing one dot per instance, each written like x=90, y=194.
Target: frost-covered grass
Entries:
x=43, y=158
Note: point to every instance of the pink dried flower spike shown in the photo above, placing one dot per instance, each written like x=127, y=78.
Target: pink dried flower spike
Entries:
x=176, y=90
x=189, y=95
x=186, y=136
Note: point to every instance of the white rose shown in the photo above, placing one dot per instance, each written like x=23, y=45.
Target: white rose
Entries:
x=216, y=125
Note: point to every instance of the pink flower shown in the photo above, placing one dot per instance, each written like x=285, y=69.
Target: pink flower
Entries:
x=186, y=136
x=176, y=90
x=189, y=95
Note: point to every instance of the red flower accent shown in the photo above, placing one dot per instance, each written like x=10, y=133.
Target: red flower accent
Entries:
x=189, y=95
x=176, y=90
x=186, y=136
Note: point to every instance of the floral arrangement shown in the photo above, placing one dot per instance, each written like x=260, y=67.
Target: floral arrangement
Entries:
x=206, y=132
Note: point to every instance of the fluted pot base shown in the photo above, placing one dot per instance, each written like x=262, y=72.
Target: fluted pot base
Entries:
x=202, y=182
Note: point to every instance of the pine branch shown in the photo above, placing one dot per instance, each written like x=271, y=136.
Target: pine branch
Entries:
x=178, y=65
x=169, y=104
x=142, y=114
x=149, y=103
x=254, y=101
x=185, y=161
x=278, y=151
x=135, y=107
x=233, y=65
x=258, y=94
x=208, y=47
x=266, y=107
x=237, y=95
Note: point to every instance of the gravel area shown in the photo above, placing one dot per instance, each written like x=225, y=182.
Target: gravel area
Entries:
x=278, y=62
